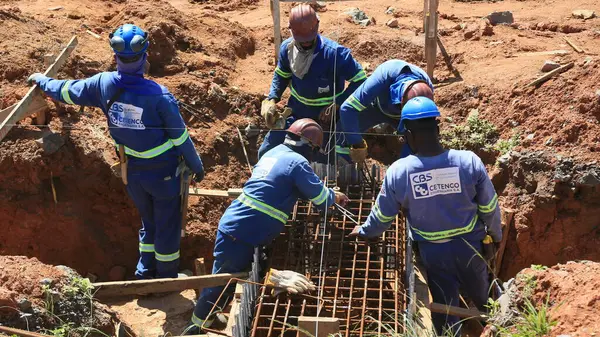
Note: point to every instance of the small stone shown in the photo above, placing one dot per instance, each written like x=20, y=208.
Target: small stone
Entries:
x=50, y=142
x=548, y=141
x=584, y=14
x=212, y=73
x=392, y=23
x=590, y=178
x=117, y=273
x=486, y=28
x=549, y=66
x=75, y=15
x=390, y=10
x=459, y=26
x=46, y=281
x=252, y=131
x=530, y=136
x=24, y=304
x=598, y=94
x=505, y=17
x=587, y=61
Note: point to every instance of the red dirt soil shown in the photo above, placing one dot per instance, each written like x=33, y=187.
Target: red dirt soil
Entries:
x=572, y=293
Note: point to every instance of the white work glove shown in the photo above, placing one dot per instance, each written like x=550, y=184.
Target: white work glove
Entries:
x=35, y=78
x=292, y=282
x=341, y=199
x=268, y=112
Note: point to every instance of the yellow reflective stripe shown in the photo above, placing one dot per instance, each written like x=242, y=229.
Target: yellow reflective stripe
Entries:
x=382, y=218
x=146, y=248
x=342, y=150
x=264, y=208
x=282, y=73
x=157, y=151
x=361, y=75
x=201, y=322
x=167, y=257
x=319, y=199
x=184, y=136
x=489, y=207
x=312, y=101
x=64, y=92
x=433, y=236
x=355, y=103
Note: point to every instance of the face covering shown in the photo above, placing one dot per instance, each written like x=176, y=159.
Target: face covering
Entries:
x=300, y=58
x=133, y=68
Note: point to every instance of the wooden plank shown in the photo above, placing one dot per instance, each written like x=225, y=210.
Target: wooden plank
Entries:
x=125, y=288
x=456, y=311
x=551, y=74
x=184, y=202
x=19, y=332
x=328, y=326
x=431, y=28
x=423, y=300
x=200, y=269
x=276, y=13
x=574, y=46
x=230, y=193
x=22, y=108
x=507, y=217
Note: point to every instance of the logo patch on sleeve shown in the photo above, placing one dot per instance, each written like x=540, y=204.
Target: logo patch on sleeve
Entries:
x=264, y=167
x=126, y=116
x=435, y=182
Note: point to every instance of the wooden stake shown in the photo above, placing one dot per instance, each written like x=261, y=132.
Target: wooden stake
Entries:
x=328, y=326
x=276, y=13
x=447, y=58
x=574, y=46
x=200, y=271
x=22, y=108
x=19, y=332
x=244, y=148
x=165, y=285
x=507, y=217
x=431, y=23
x=552, y=74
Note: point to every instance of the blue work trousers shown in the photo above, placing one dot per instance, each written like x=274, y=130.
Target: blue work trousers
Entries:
x=231, y=256
x=450, y=266
x=159, y=204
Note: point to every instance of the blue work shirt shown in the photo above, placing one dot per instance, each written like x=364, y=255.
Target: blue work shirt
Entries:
x=279, y=178
x=443, y=197
x=145, y=119
x=383, y=90
x=314, y=91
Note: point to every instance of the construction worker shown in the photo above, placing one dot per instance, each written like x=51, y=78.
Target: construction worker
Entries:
x=379, y=100
x=144, y=121
x=312, y=66
x=449, y=202
x=258, y=216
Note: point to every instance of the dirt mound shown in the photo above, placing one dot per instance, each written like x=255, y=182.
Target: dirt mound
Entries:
x=556, y=204
x=35, y=296
x=227, y=5
x=571, y=291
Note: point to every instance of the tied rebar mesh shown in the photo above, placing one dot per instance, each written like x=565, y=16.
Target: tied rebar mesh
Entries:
x=250, y=291
x=362, y=282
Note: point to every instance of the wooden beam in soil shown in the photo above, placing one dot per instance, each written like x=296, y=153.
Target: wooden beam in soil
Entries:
x=230, y=193
x=141, y=287
x=276, y=14
x=431, y=28
x=456, y=311
x=23, y=107
x=507, y=217
x=551, y=74
x=574, y=46
x=19, y=332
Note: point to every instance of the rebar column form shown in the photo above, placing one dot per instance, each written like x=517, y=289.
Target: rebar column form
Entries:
x=362, y=282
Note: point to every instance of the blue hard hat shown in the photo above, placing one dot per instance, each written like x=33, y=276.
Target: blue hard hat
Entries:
x=129, y=40
x=417, y=108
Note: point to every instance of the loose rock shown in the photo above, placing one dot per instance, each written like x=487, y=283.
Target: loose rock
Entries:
x=50, y=142
x=392, y=23
x=505, y=17
x=357, y=16
x=584, y=14
x=252, y=130
x=549, y=66
x=75, y=15
x=486, y=28
x=390, y=10
x=24, y=304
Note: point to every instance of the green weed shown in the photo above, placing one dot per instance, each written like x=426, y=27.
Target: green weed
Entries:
x=475, y=134
x=538, y=267
x=531, y=321
x=503, y=145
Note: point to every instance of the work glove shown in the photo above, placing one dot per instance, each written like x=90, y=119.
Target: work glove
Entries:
x=340, y=198
x=35, y=78
x=268, y=112
x=292, y=282
x=358, y=153
x=355, y=231
x=280, y=122
x=198, y=177
x=327, y=113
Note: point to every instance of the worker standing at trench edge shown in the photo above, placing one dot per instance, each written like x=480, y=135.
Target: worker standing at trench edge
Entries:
x=449, y=203
x=309, y=64
x=145, y=123
x=378, y=100
x=259, y=214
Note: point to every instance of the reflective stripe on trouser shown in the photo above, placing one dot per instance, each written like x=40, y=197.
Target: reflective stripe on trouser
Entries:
x=450, y=266
x=434, y=236
x=230, y=257
x=157, y=151
x=158, y=202
x=263, y=208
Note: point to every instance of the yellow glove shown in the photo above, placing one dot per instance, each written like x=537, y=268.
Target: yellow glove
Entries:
x=280, y=122
x=358, y=154
x=268, y=112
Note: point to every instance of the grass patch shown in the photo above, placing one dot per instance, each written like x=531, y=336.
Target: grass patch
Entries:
x=475, y=134
x=531, y=321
